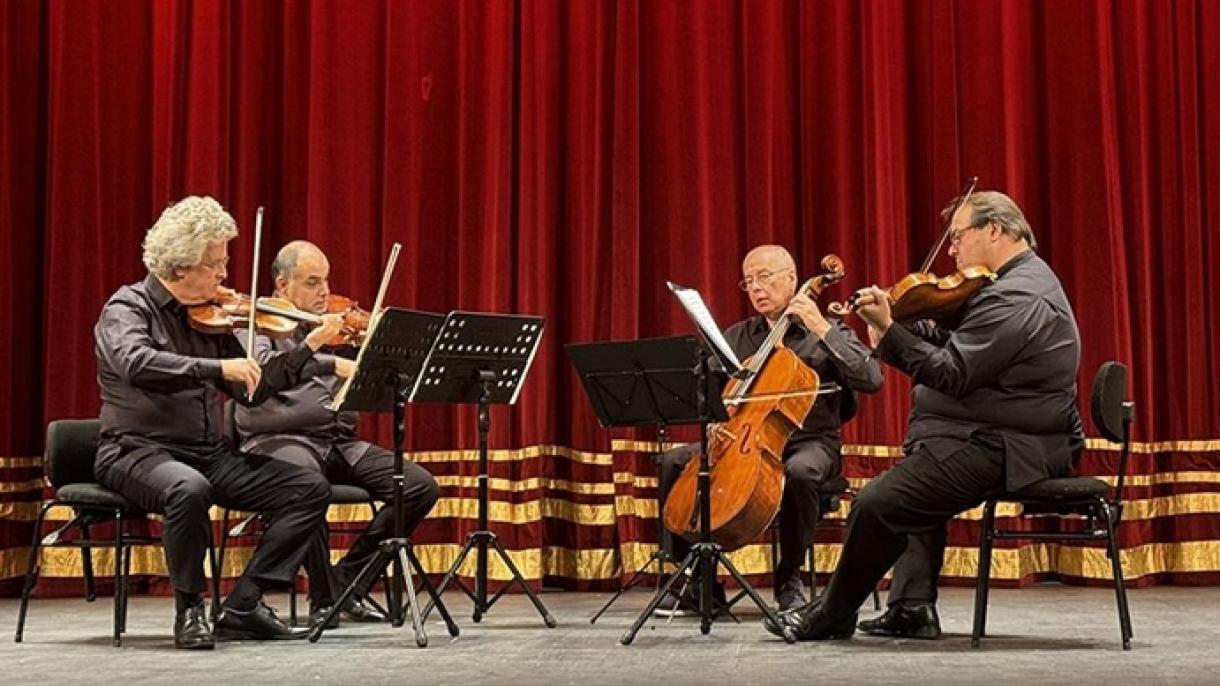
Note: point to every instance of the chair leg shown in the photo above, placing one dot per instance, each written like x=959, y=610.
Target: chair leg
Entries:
x=127, y=553
x=86, y=555
x=775, y=551
x=813, y=568
x=214, y=561
x=119, y=566
x=292, y=602
x=984, y=576
x=218, y=563
x=31, y=572
x=1120, y=589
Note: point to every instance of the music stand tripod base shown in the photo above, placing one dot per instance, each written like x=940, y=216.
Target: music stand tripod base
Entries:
x=666, y=382
x=386, y=372
x=484, y=359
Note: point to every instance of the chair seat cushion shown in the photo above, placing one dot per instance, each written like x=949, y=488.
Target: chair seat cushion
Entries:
x=1070, y=488
x=343, y=494
x=93, y=495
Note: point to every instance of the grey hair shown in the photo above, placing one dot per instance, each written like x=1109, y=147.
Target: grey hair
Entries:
x=993, y=207
x=286, y=259
x=183, y=232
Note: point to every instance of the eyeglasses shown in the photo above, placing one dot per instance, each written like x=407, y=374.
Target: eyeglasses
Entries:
x=763, y=279
x=221, y=264
x=955, y=236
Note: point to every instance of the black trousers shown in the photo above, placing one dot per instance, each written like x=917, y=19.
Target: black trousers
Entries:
x=808, y=464
x=183, y=484
x=374, y=472
x=918, y=569
x=906, y=510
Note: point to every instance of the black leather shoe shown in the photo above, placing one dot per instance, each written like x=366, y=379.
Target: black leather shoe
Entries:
x=673, y=605
x=259, y=624
x=316, y=613
x=360, y=610
x=905, y=622
x=811, y=624
x=688, y=603
x=790, y=595
x=191, y=630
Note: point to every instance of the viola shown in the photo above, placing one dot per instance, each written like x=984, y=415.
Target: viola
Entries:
x=746, y=452
x=229, y=310
x=922, y=294
x=355, y=319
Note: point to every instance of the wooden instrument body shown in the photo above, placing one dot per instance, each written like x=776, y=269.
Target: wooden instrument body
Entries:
x=924, y=296
x=747, y=482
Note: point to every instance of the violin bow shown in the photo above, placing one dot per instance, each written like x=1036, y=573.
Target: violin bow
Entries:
x=258, y=238
x=385, y=281
x=944, y=236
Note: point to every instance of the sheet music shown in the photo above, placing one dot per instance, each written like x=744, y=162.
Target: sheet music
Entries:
x=693, y=303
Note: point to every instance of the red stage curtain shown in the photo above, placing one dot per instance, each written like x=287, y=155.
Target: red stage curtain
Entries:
x=566, y=158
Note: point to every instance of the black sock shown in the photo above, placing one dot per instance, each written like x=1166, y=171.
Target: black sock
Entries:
x=245, y=595
x=183, y=600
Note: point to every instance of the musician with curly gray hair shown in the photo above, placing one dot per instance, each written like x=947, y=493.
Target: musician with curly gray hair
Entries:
x=161, y=443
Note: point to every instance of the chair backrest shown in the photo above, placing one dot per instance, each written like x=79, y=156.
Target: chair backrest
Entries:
x=1109, y=391
x=1113, y=416
x=71, y=451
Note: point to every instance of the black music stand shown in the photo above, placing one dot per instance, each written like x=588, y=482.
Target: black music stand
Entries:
x=482, y=358
x=387, y=370
x=712, y=361
x=640, y=383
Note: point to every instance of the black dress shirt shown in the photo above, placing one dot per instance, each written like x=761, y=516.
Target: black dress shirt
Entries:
x=302, y=411
x=160, y=379
x=1008, y=370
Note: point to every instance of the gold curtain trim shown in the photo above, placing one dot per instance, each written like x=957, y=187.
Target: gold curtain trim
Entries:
x=632, y=479
x=530, y=484
x=1008, y=564
x=626, y=445
x=436, y=558
x=20, y=486
x=1142, y=509
x=1138, y=447
x=529, y=452
x=1133, y=510
x=1158, y=479
x=528, y=512
x=1185, y=446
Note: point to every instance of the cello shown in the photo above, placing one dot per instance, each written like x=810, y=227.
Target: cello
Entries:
x=746, y=452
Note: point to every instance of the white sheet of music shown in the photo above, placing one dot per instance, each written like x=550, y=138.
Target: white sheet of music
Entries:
x=693, y=303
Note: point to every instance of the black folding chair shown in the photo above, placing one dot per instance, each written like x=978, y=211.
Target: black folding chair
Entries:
x=70, y=454
x=1072, y=496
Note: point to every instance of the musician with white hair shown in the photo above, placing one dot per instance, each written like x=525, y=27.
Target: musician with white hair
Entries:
x=161, y=443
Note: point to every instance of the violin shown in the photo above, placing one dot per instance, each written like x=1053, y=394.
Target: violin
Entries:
x=229, y=310
x=746, y=452
x=355, y=319
x=923, y=295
